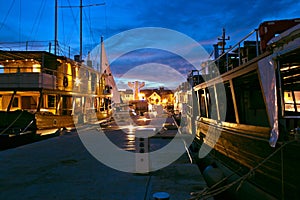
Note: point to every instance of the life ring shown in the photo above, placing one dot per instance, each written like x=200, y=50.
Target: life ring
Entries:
x=65, y=81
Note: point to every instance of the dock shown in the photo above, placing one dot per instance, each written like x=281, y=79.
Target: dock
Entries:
x=62, y=168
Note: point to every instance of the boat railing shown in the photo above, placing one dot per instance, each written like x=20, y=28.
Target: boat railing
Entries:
x=14, y=77
x=25, y=77
x=236, y=55
x=47, y=46
x=239, y=46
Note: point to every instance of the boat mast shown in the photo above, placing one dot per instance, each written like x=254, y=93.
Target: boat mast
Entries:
x=80, y=30
x=55, y=27
x=223, y=39
x=80, y=23
x=80, y=7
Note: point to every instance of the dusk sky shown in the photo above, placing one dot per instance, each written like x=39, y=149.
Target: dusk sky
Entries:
x=203, y=20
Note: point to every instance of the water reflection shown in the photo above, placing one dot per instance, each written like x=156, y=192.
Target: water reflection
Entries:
x=130, y=138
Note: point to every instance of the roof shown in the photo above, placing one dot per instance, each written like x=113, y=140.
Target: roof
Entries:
x=149, y=92
x=19, y=55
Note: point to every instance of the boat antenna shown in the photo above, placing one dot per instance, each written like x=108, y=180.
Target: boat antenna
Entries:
x=223, y=39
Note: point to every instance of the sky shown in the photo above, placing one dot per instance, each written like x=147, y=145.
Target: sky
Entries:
x=202, y=21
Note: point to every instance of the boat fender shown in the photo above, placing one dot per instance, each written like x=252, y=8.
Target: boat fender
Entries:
x=204, y=162
x=212, y=175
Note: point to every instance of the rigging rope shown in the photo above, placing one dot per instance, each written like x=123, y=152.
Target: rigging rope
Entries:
x=5, y=18
x=20, y=17
x=75, y=22
x=38, y=19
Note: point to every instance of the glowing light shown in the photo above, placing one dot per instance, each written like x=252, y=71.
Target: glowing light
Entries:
x=131, y=128
x=165, y=101
x=144, y=119
x=36, y=68
x=77, y=81
x=130, y=138
x=289, y=68
x=141, y=96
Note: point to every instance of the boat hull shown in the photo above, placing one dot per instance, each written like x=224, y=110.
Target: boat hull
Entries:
x=245, y=152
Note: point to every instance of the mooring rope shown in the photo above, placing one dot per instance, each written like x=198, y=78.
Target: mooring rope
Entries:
x=11, y=123
x=210, y=192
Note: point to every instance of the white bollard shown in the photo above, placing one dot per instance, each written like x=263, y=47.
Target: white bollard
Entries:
x=142, y=148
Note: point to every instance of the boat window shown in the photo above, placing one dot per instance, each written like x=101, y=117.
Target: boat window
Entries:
x=29, y=102
x=202, y=104
x=194, y=108
x=51, y=101
x=189, y=104
x=211, y=103
x=297, y=99
x=77, y=105
x=4, y=100
x=290, y=76
x=15, y=102
x=249, y=100
x=292, y=101
x=66, y=105
x=221, y=95
x=230, y=114
x=93, y=81
x=89, y=104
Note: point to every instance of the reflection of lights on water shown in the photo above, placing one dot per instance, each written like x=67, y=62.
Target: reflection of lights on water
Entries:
x=131, y=138
x=131, y=128
x=144, y=119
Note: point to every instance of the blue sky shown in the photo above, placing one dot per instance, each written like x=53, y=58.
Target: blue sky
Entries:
x=202, y=20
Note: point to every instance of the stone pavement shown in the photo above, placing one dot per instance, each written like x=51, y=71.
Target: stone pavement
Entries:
x=62, y=168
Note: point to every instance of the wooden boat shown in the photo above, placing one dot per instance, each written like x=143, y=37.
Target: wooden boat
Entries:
x=40, y=90
x=247, y=116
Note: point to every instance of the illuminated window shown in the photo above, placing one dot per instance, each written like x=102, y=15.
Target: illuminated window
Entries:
x=36, y=68
x=289, y=73
x=292, y=101
x=297, y=99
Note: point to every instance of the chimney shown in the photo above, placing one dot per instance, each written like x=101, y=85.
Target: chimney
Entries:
x=77, y=58
x=216, y=50
x=89, y=62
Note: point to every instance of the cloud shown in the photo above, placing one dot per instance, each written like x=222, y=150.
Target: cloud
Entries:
x=145, y=56
x=153, y=74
